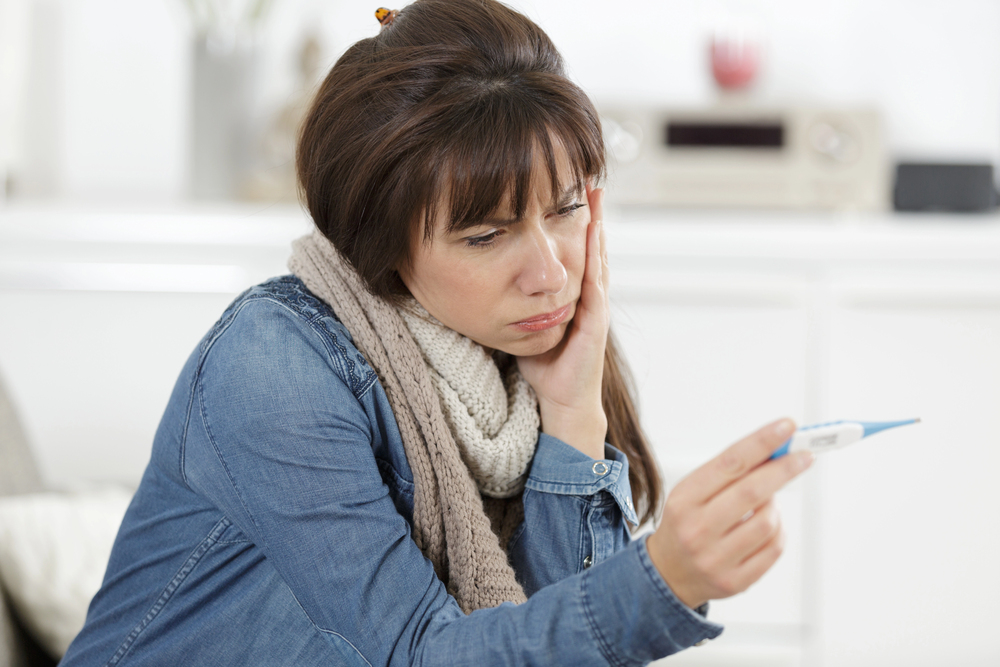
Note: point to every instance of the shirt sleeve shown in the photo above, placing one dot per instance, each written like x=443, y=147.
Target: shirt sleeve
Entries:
x=280, y=443
x=575, y=508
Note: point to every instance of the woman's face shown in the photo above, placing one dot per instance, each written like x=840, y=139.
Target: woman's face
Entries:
x=507, y=284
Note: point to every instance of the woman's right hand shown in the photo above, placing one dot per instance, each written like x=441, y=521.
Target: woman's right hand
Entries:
x=720, y=530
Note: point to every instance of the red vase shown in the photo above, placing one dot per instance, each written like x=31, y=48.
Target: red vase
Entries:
x=734, y=62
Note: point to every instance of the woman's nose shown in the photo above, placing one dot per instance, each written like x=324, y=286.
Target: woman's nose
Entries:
x=541, y=270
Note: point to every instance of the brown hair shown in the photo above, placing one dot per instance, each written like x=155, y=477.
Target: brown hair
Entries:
x=452, y=100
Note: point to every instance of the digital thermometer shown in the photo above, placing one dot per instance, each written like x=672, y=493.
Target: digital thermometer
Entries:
x=821, y=438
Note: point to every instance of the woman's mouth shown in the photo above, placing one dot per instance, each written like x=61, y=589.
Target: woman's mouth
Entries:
x=545, y=321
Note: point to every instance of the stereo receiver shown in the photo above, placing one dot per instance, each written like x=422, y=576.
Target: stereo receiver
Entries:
x=798, y=158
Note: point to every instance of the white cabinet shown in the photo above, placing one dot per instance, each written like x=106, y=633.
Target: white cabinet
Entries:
x=892, y=544
x=712, y=363
x=911, y=541
x=715, y=355
x=729, y=321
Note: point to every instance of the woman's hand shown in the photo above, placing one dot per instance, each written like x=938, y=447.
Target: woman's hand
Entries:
x=720, y=530
x=567, y=379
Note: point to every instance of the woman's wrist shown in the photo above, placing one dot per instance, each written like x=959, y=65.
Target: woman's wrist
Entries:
x=656, y=555
x=580, y=428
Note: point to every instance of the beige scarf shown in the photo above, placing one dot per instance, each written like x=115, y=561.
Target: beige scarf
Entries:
x=493, y=417
x=463, y=534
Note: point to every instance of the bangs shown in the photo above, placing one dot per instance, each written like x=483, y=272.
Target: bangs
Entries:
x=487, y=168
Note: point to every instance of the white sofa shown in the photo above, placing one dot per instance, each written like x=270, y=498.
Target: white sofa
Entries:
x=18, y=475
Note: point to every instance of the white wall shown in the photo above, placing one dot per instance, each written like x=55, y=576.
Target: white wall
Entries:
x=108, y=95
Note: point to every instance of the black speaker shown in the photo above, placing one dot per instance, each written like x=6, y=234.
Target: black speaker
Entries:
x=944, y=187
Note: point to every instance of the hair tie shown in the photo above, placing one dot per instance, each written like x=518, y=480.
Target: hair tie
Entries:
x=386, y=16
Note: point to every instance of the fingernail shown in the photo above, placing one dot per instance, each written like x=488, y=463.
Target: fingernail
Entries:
x=806, y=459
x=784, y=428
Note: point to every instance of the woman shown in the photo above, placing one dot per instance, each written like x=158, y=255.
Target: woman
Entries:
x=419, y=449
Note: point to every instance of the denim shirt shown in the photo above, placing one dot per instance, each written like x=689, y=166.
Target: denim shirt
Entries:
x=272, y=527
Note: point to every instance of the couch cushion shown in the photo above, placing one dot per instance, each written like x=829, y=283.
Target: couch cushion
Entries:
x=18, y=472
x=54, y=548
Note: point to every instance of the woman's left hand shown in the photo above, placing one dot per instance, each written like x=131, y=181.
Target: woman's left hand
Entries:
x=567, y=378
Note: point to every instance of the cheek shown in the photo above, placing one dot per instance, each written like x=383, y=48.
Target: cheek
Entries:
x=462, y=293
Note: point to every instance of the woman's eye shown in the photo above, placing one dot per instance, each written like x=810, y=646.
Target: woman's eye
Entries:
x=569, y=209
x=484, y=241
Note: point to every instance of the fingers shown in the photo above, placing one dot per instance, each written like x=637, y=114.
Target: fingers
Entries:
x=595, y=200
x=599, y=208
x=747, y=537
x=735, y=462
x=720, y=530
x=595, y=266
x=754, y=567
x=747, y=552
x=756, y=489
x=594, y=292
x=699, y=566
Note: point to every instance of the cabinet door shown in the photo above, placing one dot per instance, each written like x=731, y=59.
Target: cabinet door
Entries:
x=910, y=540
x=715, y=356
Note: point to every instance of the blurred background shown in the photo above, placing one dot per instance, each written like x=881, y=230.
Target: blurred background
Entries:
x=802, y=222
x=98, y=95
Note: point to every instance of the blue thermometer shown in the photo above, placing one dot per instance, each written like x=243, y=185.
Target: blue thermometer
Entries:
x=820, y=438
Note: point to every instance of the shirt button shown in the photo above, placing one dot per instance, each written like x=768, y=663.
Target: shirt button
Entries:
x=628, y=501
x=702, y=642
x=601, y=468
x=587, y=562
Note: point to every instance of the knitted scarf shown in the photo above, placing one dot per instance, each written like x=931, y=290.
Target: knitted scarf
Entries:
x=494, y=419
x=463, y=534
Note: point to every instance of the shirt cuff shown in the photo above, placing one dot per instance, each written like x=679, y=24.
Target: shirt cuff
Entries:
x=633, y=614
x=563, y=469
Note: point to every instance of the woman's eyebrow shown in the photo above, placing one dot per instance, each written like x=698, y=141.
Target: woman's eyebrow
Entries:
x=566, y=197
